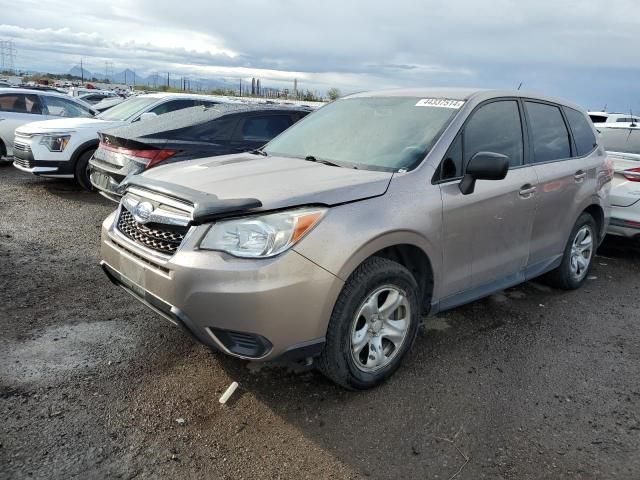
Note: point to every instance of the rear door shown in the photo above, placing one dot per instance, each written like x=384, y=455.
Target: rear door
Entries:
x=567, y=176
x=486, y=234
x=623, y=147
x=254, y=130
x=205, y=139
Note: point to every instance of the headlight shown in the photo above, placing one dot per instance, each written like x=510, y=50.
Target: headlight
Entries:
x=55, y=143
x=262, y=236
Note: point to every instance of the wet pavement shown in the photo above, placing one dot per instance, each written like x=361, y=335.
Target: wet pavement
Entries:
x=529, y=383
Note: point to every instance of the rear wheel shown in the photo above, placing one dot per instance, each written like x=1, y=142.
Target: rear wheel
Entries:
x=3, y=152
x=82, y=170
x=373, y=325
x=578, y=255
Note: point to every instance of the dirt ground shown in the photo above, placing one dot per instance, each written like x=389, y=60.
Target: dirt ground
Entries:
x=529, y=383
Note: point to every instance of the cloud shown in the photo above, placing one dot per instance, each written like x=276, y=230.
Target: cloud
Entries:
x=562, y=47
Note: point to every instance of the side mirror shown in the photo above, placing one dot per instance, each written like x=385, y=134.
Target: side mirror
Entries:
x=484, y=166
x=148, y=115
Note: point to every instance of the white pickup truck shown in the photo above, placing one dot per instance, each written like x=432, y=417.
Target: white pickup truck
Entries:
x=63, y=147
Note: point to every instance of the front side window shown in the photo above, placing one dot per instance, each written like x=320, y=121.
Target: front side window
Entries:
x=626, y=120
x=582, y=132
x=621, y=140
x=496, y=128
x=20, y=103
x=61, y=107
x=264, y=127
x=549, y=132
x=377, y=133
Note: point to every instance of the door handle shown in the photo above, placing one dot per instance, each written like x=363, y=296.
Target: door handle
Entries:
x=580, y=175
x=526, y=191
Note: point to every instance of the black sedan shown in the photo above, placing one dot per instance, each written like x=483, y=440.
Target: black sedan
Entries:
x=184, y=135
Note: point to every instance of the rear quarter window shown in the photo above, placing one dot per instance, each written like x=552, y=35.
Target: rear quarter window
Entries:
x=583, y=134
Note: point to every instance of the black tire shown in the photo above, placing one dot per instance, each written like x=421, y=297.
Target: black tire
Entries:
x=562, y=276
x=336, y=361
x=81, y=170
x=3, y=151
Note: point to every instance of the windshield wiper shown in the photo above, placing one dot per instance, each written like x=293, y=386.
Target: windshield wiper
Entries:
x=257, y=151
x=311, y=158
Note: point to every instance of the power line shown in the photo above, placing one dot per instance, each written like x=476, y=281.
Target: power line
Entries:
x=7, y=56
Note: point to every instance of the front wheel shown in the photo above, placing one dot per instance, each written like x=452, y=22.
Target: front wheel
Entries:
x=578, y=255
x=82, y=170
x=373, y=325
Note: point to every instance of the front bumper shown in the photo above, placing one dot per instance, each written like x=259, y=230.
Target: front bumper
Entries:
x=253, y=309
x=23, y=160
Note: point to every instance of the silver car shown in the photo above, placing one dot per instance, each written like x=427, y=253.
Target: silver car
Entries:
x=331, y=241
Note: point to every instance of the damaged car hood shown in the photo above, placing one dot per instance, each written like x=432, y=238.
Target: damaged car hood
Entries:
x=262, y=183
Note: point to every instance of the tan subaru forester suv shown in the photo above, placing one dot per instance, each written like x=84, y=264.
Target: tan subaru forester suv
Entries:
x=333, y=240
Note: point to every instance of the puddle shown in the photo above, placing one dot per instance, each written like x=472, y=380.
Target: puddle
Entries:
x=63, y=350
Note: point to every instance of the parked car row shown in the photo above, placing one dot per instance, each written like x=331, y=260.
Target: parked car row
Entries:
x=270, y=233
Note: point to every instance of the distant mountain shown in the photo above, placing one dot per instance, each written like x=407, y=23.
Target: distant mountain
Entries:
x=127, y=76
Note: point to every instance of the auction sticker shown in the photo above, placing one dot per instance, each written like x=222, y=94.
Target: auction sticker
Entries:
x=440, y=103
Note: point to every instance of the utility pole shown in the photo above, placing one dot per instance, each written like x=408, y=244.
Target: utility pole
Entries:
x=7, y=56
x=81, y=70
x=168, y=80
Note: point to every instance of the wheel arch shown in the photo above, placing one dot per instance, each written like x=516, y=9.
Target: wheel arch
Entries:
x=409, y=249
x=83, y=148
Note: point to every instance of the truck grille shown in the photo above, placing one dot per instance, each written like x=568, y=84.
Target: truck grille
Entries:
x=158, y=237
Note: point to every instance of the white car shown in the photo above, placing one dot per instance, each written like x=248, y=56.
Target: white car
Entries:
x=606, y=117
x=19, y=106
x=62, y=148
x=622, y=142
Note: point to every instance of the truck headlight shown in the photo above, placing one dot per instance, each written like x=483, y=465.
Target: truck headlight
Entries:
x=262, y=236
x=55, y=143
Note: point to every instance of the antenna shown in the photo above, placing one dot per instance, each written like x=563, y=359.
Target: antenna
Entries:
x=633, y=124
x=520, y=86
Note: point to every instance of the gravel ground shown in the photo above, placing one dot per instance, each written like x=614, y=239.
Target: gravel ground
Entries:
x=530, y=383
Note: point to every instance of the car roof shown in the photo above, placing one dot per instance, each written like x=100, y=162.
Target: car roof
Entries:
x=188, y=117
x=187, y=96
x=32, y=90
x=478, y=94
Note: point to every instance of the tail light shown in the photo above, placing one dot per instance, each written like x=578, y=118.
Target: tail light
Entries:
x=632, y=174
x=148, y=157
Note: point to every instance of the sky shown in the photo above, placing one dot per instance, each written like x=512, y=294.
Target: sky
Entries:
x=583, y=50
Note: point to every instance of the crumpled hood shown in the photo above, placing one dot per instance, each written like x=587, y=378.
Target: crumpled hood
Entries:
x=64, y=124
x=276, y=182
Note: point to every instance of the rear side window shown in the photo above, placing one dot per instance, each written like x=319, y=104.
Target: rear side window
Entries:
x=172, y=106
x=582, y=132
x=61, y=107
x=549, y=133
x=626, y=120
x=20, y=103
x=219, y=130
x=264, y=127
x=494, y=127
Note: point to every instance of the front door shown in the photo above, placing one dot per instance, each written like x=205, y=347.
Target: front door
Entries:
x=487, y=233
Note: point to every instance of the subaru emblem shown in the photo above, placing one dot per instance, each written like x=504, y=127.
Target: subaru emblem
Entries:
x=142, y=212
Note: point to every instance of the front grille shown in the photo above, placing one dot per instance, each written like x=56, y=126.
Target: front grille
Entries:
x=23, y=162
x=22, y=147
x=158, y=237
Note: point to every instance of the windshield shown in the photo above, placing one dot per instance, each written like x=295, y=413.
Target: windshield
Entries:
x=623, y=140
x=127, y=109
x=378, y=133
